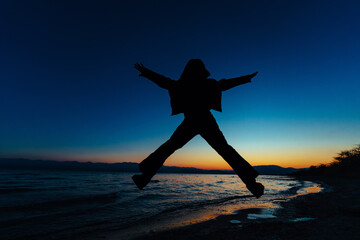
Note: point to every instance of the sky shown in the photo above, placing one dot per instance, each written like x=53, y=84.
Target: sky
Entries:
x=69, y=91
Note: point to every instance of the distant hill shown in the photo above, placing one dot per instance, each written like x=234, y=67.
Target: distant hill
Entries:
x=20, y=163
x=275, y=170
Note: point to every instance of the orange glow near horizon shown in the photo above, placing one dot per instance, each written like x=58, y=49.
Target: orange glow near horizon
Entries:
x=296, y=158
x=209, y=159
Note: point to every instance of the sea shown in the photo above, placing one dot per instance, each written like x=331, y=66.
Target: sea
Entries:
x=64, y=204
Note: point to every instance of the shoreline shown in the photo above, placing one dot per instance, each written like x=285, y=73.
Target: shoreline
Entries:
x=330, y=214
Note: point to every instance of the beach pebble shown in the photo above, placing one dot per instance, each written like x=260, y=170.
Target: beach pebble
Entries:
x=235, y=221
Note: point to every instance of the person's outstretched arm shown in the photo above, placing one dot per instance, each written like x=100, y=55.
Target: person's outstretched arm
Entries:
x=226, y=84
x=158, y=79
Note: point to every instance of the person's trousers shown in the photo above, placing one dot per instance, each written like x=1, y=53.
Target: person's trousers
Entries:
x=206, y=126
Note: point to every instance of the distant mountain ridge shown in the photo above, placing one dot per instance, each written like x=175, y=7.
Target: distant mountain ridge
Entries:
x=21, y=163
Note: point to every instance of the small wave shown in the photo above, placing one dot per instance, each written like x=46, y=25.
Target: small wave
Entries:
x=301, y=187
x=86, y=199
x=6, y=190
x=290, y=191
x=201, y=204
x=152, y=196
x=25, y=174
x=9, y=182
x=209, y=185
x=62, y=188
x=127, y=183
x=50, y=178
x=16, y=190
x=98, y=198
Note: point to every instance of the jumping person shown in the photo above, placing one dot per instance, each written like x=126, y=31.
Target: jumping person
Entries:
x=194, y=94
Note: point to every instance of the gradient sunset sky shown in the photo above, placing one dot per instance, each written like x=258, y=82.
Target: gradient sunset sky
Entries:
x=69, y=91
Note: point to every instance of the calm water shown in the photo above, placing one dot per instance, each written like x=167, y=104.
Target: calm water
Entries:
x=38, y=204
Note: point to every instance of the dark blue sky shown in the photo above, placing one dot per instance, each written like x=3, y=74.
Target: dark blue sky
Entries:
x=68, y=89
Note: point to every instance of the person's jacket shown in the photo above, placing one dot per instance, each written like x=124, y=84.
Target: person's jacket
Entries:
x=194, y=95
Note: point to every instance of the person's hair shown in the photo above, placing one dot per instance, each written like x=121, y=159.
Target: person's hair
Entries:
x=195, y=68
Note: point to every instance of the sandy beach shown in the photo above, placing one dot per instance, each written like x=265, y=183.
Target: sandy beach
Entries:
x=331, y=214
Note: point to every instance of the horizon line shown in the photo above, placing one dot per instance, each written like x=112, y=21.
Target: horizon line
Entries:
x=94, y=162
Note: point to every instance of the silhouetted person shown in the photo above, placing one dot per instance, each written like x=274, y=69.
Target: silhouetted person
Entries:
x=194, y=94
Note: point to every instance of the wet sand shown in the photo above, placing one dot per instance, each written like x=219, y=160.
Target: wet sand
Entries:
x=331, y=214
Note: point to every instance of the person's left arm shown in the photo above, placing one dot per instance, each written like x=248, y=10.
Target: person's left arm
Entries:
x=226, y=84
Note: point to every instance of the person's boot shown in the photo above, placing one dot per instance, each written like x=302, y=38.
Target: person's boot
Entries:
x=141, y=181
x=256, y=188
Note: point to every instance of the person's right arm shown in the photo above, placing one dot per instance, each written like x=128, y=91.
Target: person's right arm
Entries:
x=158, y=79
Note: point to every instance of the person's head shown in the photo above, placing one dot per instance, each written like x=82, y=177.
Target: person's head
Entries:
x=194, y=69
